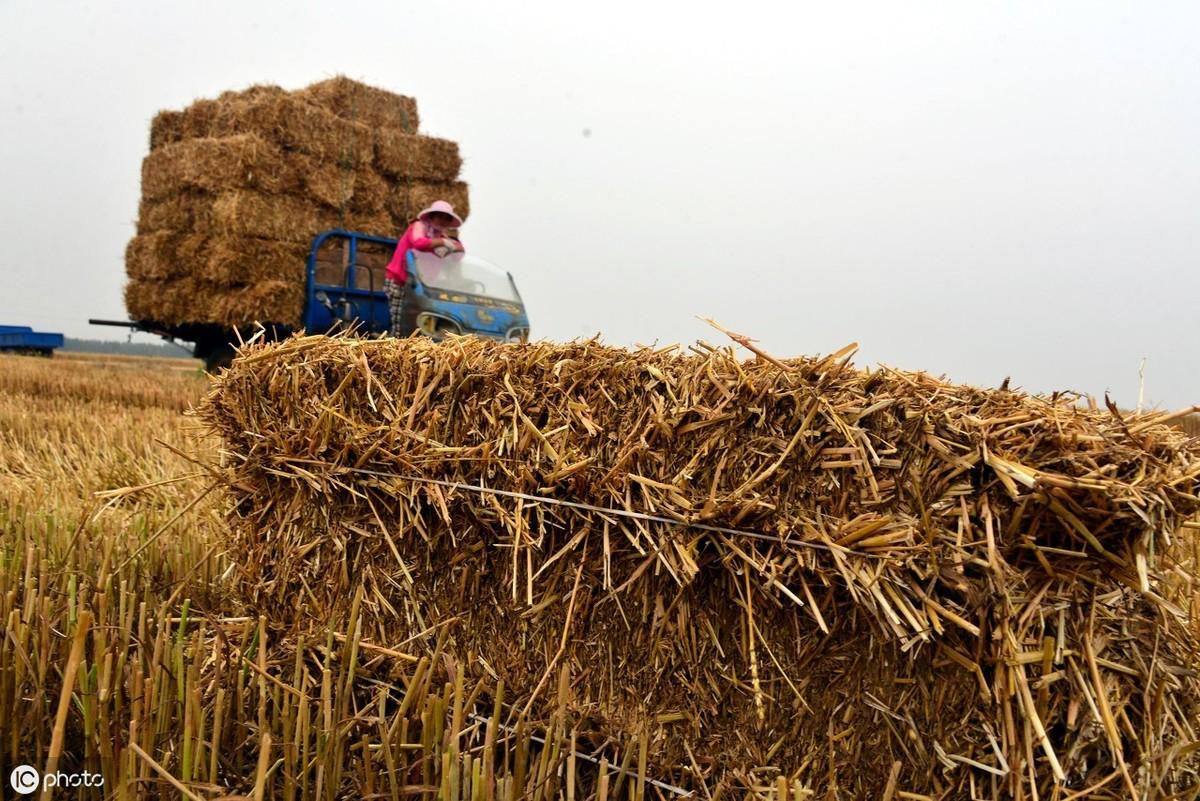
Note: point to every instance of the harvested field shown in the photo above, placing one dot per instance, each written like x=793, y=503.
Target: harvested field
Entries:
x=111, y=550
x=267, y=164
x=797, y=576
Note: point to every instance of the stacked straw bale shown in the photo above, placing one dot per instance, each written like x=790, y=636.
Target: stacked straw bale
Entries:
x=235, y=188
x=873, y=584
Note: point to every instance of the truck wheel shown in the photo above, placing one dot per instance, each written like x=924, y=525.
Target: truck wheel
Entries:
x=219, y=358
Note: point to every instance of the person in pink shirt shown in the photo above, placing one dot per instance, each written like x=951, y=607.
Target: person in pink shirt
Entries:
x=430, y=232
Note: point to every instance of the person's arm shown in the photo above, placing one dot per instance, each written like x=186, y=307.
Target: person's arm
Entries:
x=397, y=270
x=422, y=241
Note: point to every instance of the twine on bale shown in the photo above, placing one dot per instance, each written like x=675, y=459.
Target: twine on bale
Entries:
x=603, y=510
x=986, y=588
x=347, y=165
x=407, y=195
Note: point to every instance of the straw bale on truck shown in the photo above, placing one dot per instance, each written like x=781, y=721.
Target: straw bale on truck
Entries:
x=841, y=582
x=357, y=101
x=260, y=172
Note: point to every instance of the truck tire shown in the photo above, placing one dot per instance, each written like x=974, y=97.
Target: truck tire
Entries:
x=219, y=358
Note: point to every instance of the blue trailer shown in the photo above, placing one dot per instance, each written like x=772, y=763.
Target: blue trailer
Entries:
x=454, y=294
x=23, y=339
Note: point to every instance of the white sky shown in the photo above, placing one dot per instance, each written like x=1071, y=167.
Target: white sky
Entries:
x=976, y=189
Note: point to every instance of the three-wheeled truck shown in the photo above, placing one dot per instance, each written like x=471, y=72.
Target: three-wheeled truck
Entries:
x=454, y=294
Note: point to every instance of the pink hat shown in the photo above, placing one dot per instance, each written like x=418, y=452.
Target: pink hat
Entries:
x=443, y=207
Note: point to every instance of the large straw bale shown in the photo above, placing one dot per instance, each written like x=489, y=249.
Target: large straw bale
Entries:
x=286, y=218
x=326, y=182
x=269, y=217
x=361, y=189
x=287, y=118
x=151, y=257
x=352, y=100
x=166, y=128
x=408, y=198
x=180, y=301
x=290, y=121
x=859, y=580
x=228, y=260
x=403, y=155
x=371, y=192
x=266, y=301
x=165, y=254
x=185, y=211
x=377, y=224
x=199, y=119
x=249, y=260
x=242, y=161
x=239, y=213
x=258, y=91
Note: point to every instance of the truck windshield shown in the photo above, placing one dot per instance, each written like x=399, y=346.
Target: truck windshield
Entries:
x=460, y=272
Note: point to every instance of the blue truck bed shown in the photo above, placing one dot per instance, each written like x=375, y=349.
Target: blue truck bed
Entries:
x=24, y=338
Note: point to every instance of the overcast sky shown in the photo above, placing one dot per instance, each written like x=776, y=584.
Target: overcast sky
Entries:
x=976, y=189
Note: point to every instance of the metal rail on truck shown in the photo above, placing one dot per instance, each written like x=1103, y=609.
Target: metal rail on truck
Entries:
x=23, y=339
x=326, y=306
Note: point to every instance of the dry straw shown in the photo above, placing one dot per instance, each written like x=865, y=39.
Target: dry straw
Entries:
x=361, y=190
x=370, y=192
x=357, y=101
x=166, y=128
x=224, y=260
x=326, y=182
x=294, y=123
x=408, y=198
x=253, y=214
x=185, y=211
x=180, y=301
x=286, y=218
x=863, y=583
x=243, y=161
x=177, y=692
x=199, y=120
x=158, y=256
x=402, y=155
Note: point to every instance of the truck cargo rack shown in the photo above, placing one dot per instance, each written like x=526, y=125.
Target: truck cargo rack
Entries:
x=23, y=339
x=348, y=292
